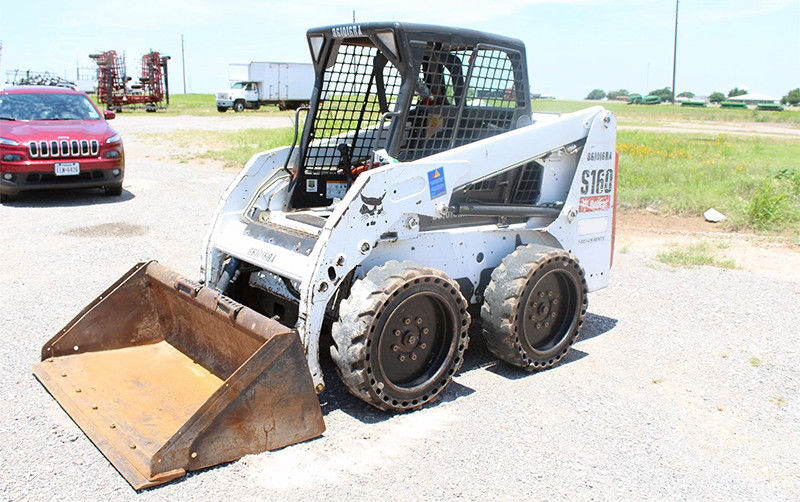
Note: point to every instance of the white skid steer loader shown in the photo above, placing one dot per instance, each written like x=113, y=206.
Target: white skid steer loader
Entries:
x=421, y=189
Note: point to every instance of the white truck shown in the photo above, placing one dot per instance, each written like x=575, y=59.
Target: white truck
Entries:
x=257, y=83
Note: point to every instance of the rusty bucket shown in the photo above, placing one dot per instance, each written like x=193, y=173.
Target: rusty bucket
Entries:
x=166, y=376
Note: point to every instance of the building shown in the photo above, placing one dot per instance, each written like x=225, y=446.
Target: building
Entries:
x=754, y=98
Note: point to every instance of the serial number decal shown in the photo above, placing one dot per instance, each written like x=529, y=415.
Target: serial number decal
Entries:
x=597, y=156
x=597, y=181
x=594, y=203
x=261, y=254
x=353, y=30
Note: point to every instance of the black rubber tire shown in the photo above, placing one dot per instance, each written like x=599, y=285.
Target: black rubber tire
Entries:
x=503, y=312
x=222, y=109
x=113, y=191
x=363, y=321
x=238, y=106
x=4, y=197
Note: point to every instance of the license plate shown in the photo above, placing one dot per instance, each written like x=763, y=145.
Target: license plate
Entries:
x=68, y=168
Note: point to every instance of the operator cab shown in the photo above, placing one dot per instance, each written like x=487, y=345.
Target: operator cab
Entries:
x=411, y=90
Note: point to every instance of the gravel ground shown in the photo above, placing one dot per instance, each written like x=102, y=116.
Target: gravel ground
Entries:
x=683, y=386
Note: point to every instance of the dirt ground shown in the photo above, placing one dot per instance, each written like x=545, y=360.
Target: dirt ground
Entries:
x=684, y=384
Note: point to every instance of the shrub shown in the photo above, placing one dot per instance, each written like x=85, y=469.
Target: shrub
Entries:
x=769, y=206
x=596, y=94
x=716, y=97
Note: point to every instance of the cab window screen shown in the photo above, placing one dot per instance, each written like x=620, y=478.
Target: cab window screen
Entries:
x=356, y=91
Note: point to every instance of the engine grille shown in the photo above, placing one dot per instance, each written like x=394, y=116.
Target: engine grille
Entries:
x=64, y=148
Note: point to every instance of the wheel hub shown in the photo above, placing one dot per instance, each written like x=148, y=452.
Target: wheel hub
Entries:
x=546, y=311
x=415, y=336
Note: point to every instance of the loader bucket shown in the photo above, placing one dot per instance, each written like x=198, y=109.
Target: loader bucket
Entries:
x=165, y=376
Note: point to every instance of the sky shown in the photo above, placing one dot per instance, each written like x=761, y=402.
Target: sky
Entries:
x=573, y=46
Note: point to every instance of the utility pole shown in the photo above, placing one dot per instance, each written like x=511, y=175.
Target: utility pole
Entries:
x=354, y=16
x=183, y=64
x=675, y=52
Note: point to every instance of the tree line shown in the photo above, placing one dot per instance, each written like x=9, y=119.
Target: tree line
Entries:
x=791, y=98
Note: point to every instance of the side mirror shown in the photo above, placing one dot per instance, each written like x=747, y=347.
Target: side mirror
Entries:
x=108, y=115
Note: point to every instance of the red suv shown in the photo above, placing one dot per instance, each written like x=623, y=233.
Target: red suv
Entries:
x=55, y=137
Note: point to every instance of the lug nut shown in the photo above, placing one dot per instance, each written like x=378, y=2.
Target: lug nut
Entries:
x=555, y=301
x=397, y=332
x=132, y=446
x=419, y=320
x=413, y=357
x=395, y=348
x=547, y=324
x=422, y=345
x=550, y=294
x=538, y=325
x=112, y=426
x=406, y=321
x=425, y=331
x=78, y=389
x=553, y=315
x=541, y=294
x=402, y=358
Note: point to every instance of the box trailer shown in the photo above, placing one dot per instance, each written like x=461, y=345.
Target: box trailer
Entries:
x=258, y=83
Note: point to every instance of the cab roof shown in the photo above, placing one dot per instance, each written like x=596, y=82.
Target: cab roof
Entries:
x=418, y=32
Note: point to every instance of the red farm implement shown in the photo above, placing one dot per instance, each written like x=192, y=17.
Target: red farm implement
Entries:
x=115, y=89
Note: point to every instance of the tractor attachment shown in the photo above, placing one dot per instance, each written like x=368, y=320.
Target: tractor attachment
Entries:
x=166, y=376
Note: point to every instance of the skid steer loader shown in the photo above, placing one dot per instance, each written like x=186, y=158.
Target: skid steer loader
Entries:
x=421, y=189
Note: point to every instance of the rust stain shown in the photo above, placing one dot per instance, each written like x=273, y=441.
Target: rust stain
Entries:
x=165, y=379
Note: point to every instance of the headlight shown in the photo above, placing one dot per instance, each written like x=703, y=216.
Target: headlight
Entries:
x=114, y=139
x=9, y=142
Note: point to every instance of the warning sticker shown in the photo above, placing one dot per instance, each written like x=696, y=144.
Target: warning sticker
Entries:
x=335, y=189
x=594, y=203
x=436, y=182
x=311, y=185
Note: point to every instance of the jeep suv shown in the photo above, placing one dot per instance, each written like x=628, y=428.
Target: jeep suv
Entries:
x=55, y=137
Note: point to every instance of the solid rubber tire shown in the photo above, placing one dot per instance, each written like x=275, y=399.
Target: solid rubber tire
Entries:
x=356, y=330
x=500, y=312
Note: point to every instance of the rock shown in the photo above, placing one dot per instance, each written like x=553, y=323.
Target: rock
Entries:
x=714, y=216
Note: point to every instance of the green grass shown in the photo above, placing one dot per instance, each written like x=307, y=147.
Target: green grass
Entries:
x=232, y=148
x=754, y=181
x=199, y=104
x=203, y=104
x=639, y=114
x=694, y=255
